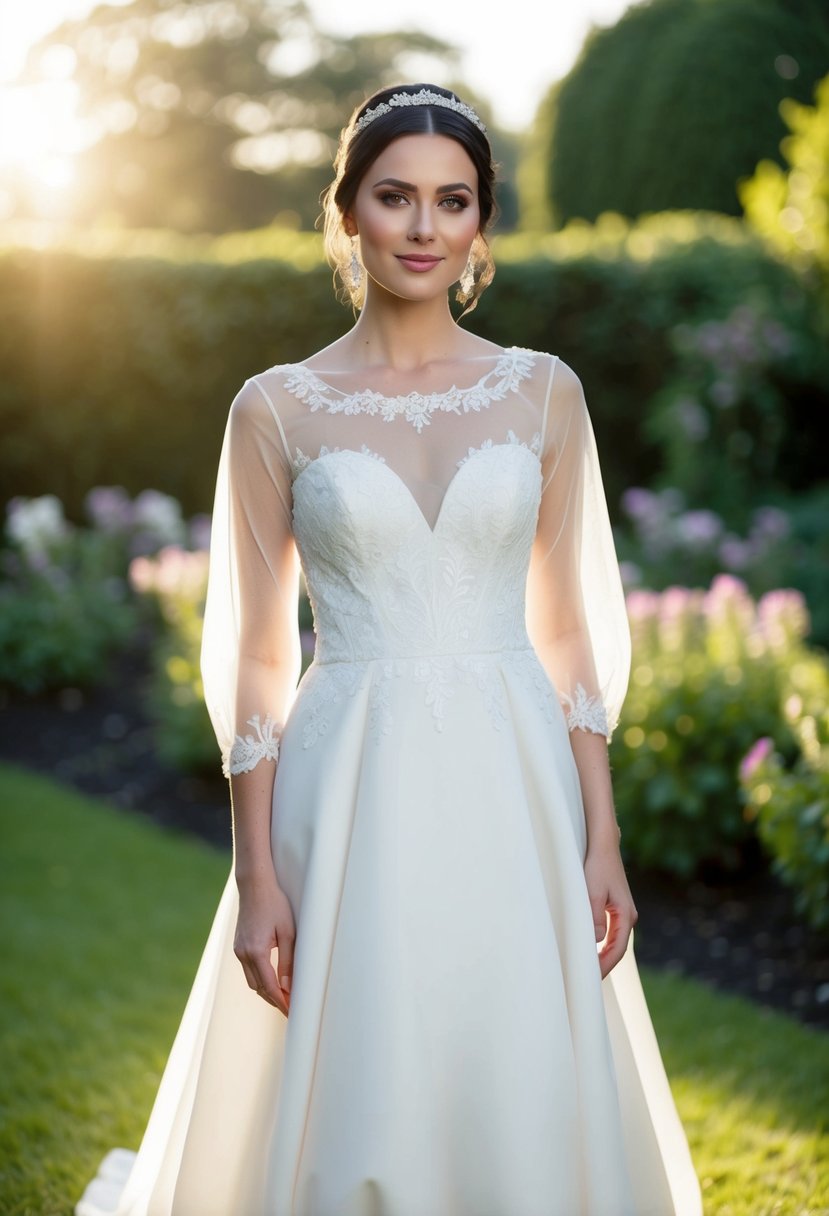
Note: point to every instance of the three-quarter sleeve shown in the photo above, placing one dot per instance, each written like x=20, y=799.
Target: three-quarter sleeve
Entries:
x=250, y=654
x=576, y=614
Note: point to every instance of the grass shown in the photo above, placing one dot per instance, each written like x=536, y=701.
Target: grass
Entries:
x=105, y=916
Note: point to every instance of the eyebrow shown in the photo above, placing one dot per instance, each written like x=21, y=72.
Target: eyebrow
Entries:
x=393, y=181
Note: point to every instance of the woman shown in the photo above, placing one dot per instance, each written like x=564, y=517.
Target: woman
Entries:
x=438, y=1011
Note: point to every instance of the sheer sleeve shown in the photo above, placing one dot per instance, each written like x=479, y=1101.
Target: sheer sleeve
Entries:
x=576, y=614
x=250, y=655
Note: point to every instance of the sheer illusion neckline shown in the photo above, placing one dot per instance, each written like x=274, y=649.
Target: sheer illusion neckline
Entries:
x=488, y=450
x=511, y=367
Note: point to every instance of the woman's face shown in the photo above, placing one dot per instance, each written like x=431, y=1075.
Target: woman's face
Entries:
x=416, y=213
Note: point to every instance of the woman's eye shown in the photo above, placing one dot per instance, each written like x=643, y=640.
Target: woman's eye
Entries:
x=393, y=197
x=456, y=202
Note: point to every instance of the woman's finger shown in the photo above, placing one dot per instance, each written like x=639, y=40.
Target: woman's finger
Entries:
x=261, y=979
x=616, y=943
x=267, y=985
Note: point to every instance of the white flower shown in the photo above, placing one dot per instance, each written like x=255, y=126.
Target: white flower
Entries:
x=158, y=517
x=36, y=523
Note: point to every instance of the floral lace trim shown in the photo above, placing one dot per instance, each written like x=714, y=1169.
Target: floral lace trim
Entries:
x=247, y=751
x=511, y=368
x=586, y=713
x=300, y=461
x=534, y=445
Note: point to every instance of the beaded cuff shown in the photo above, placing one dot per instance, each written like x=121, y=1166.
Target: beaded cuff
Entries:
x=247, y=751
x=586, y=713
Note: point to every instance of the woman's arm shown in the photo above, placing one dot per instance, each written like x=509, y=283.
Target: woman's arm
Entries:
x=266, y=920
x=577, y=622
x=614, y=912
x=251, y=660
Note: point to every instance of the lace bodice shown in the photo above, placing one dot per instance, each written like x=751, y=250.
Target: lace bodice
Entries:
x=435, y=529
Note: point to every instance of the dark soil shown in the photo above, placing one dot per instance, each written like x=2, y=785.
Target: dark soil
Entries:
x=739, y=933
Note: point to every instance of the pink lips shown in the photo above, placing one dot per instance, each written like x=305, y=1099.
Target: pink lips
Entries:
x=418, y=262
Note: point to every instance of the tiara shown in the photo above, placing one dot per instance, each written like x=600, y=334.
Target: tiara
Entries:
x=424, y=98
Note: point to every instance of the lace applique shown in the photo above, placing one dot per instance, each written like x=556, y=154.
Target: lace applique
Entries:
x=512, y=367
x=587, y=713
x=332, y=680
x=300, y=461
x=534, y=445
x=533, y=670
x=246, y=752
x=439, y=675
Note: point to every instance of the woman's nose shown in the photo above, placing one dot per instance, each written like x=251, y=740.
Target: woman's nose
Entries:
x=422, y=228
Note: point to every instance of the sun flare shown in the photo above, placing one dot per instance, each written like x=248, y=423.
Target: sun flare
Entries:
x=40, y=135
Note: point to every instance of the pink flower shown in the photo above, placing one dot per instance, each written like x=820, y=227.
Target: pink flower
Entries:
x=755, y=756
x=728, y=600
x=642, y=605
x=784, y=617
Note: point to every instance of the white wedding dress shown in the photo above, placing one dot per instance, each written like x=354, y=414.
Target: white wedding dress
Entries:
x=451, y=1049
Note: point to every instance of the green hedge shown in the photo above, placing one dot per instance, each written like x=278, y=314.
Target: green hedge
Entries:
x=121, y=369
x=674, y=103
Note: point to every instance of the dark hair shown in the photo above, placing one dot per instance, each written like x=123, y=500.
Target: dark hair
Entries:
x=358, y=150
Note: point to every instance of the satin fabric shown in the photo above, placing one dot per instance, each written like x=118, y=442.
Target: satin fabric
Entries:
x=451, y=1049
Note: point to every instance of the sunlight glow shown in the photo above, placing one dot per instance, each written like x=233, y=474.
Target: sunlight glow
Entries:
x=40, y=131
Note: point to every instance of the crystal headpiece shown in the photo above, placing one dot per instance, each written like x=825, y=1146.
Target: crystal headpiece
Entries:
x=424, y=98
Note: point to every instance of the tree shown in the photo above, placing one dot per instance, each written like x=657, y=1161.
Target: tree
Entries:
x=214, y=115
x=791, y=208
x=669, y=107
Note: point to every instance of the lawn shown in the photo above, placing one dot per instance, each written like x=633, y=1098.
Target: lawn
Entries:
x=104, y=918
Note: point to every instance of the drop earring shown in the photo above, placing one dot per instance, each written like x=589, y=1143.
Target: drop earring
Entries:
x=467, y=279
x=355, y=268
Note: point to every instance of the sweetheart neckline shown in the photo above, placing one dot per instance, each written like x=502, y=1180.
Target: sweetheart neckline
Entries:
x=470, y=459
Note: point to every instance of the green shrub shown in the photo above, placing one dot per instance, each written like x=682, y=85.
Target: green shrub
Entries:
x=65, y=604
x=130, y=363
x=790, y=802
x=792, y=208
x=177, y=582
x=615, y=300
x=65, y=607
x=730, y=423
x=709, y=674
x=671, y=105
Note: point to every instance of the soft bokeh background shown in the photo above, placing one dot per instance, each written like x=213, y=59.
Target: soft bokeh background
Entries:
x=664, y=228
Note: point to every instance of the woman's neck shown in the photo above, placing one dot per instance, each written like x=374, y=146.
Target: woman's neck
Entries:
x=405, y=335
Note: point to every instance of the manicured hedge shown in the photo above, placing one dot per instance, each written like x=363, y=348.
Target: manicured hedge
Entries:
x=676, y=102
x=121, y=369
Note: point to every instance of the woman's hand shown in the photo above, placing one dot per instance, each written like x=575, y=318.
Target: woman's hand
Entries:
x=614, y=912
x=265, y=922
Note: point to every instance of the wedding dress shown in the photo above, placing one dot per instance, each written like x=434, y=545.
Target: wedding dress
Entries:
x=451, y=1049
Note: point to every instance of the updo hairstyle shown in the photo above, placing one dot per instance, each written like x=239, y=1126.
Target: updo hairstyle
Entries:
x=357, y=151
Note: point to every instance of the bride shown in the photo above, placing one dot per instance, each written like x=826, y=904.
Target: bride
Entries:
x=434, y=1007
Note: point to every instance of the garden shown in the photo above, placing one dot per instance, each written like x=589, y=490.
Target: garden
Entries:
x=721, y=758
x=700, y=330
